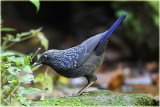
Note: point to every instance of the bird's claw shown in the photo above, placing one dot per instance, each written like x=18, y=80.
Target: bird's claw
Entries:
x=84, y=93
x=79, y=94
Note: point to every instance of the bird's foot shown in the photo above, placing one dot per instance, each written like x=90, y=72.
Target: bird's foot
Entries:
x=84, y=93
x=80, y=94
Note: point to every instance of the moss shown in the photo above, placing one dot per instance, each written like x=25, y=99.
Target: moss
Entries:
x=100, y=97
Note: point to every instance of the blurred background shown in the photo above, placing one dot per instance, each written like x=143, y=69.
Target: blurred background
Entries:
x=132, y=59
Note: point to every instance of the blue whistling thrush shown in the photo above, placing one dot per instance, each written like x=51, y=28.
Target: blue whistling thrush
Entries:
x=81, y=60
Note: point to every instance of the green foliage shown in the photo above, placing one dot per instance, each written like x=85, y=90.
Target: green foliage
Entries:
x=44, y=41
x=155, y=6
x=16, y=70
x=45, y=81
x=9, y=40
x=36, y=3
x=7, y=29
x=11, y=69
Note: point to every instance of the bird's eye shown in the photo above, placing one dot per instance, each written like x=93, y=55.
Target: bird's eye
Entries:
x=45, y=56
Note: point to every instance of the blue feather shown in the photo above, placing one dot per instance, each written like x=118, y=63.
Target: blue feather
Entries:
x=106, y=34
x=113, y=27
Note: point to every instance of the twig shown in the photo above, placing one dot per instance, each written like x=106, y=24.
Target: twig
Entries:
x=10, y=45
x=35, y=53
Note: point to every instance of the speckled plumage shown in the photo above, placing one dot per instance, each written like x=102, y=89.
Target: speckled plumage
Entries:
x=74, y=62
x=81, y=60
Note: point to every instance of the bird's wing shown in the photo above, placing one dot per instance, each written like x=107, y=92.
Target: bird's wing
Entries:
x=75, y=56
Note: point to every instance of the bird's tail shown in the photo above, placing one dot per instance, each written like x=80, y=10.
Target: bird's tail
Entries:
x=106, y=34
x=112, y=28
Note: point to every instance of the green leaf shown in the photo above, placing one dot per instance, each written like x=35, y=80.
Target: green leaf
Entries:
x=6, y=87
x=8, y=37
x=27, y=68
x=15, y=40
x=32, y=32
x=154, y=5
x=30, y=91
x=11, y=77
x=43, y=40
x=24, y=101
x=17, y=60
x=27, y=60
x=36, y=30
x=36, y=4
x=27, y=78
x=156, y=19
x=6, y=54
x=13, y=70
x=39, y=78
x=16, y=53
x=12, y=81
x=6, y=65
x=7, y=29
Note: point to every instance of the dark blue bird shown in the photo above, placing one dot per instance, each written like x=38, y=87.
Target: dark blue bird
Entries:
x=81, y=60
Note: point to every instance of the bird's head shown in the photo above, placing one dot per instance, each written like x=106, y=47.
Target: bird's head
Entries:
x=44, y=58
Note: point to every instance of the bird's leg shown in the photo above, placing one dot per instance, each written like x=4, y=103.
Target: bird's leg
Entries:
x=91, y=79
x=85, y=87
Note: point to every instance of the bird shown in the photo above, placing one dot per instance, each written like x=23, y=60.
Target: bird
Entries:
x=81, y=60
